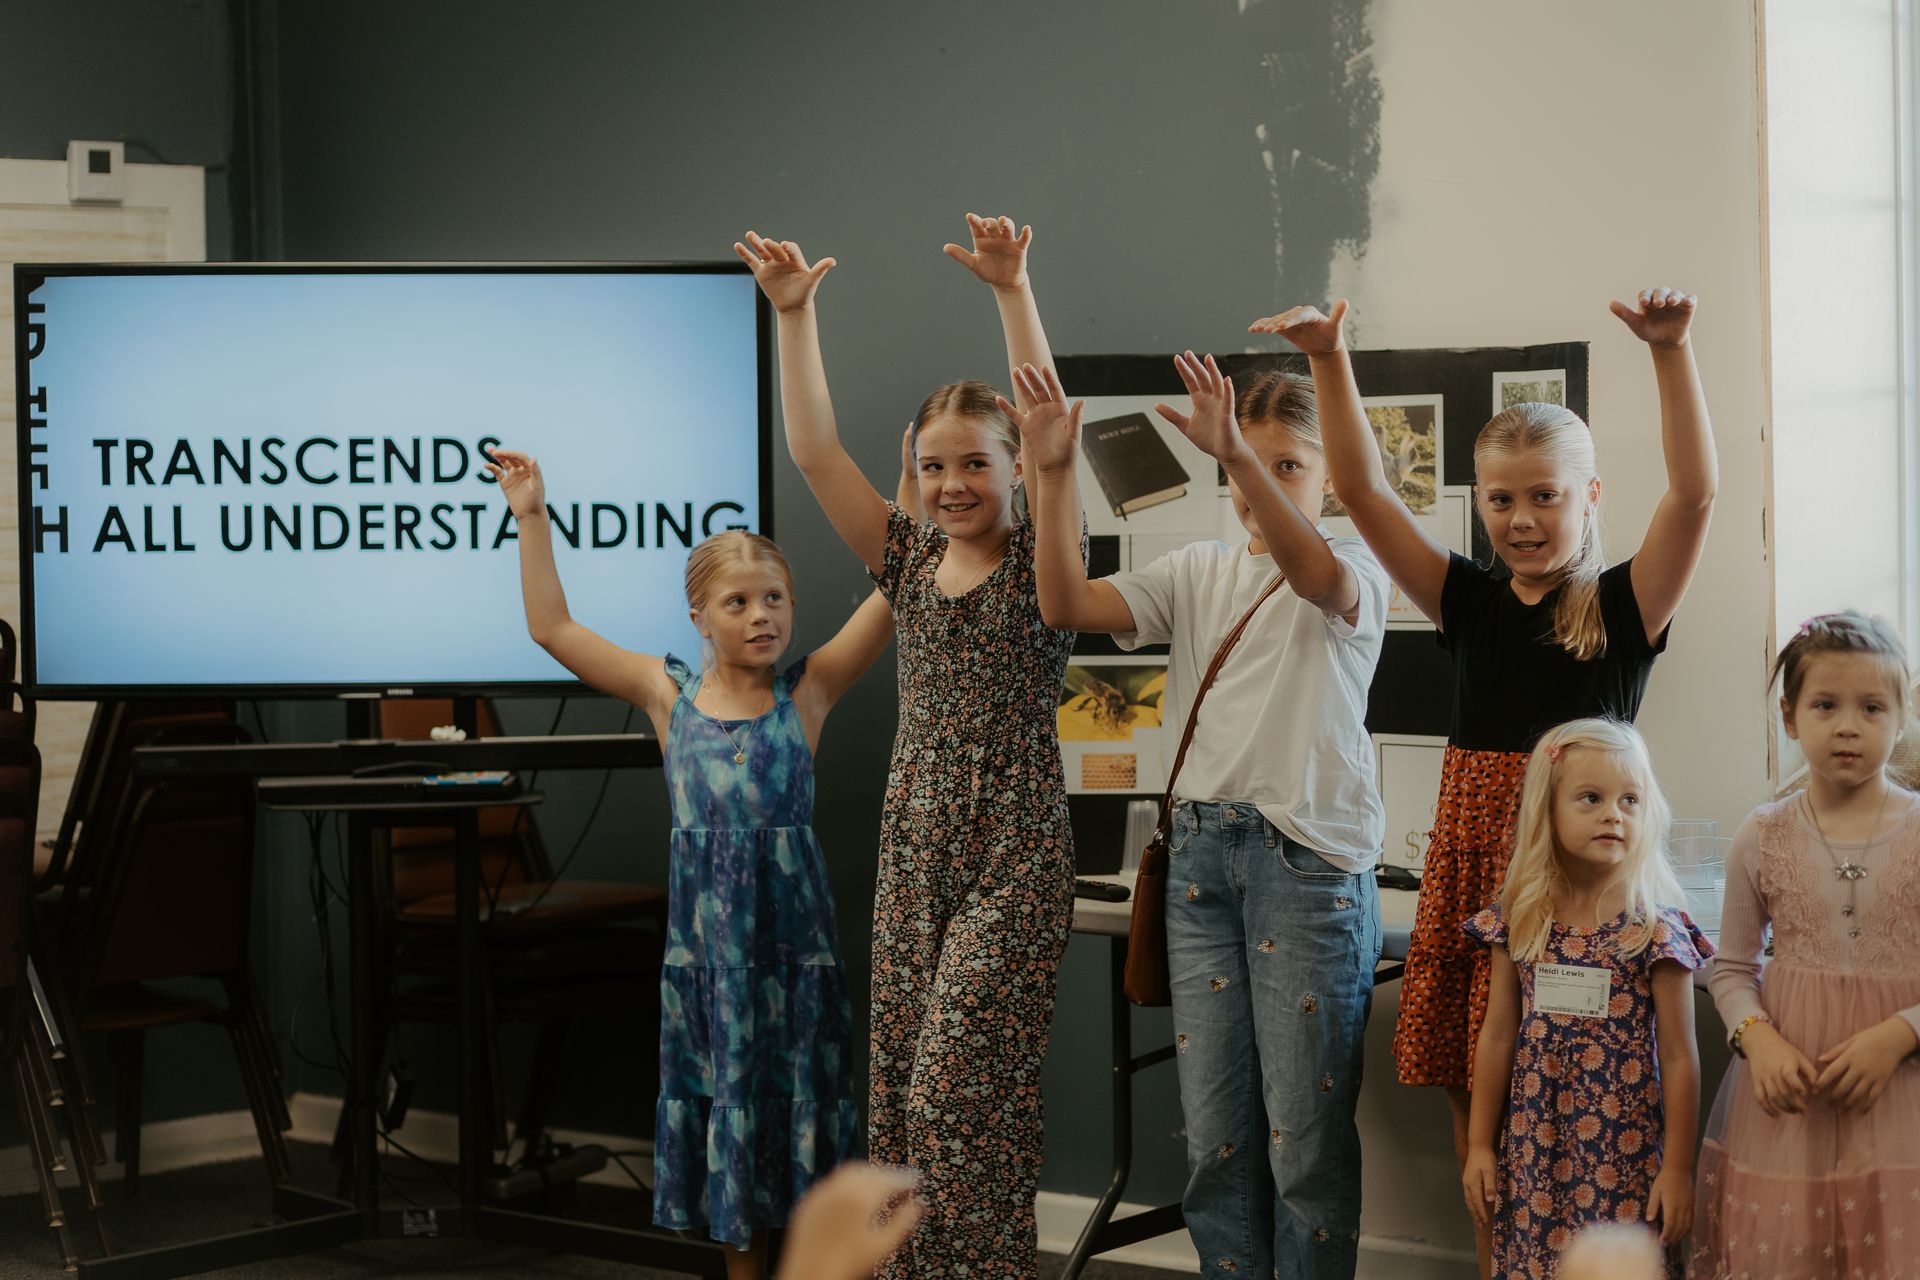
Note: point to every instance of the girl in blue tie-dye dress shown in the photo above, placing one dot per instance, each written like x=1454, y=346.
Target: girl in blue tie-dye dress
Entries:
x=756, y=1098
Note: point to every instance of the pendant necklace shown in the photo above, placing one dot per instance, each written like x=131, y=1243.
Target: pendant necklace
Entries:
x=739, y=752
x=1849, y=870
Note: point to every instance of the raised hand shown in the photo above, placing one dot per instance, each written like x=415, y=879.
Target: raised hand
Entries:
x=520, y=484
x=1858, y=1068
x=782, y=271
x=1662, y=317
x=1049, y=429
x=999, y=255
x=1308, y=328
x=1212, y=426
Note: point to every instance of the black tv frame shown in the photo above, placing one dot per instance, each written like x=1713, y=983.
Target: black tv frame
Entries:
x=29, y=276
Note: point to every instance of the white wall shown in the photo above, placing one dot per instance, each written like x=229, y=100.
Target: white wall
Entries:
x=1833, y=307
x=1538, y=159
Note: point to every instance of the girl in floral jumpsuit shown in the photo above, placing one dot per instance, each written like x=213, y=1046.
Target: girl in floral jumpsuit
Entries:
x=975, y=893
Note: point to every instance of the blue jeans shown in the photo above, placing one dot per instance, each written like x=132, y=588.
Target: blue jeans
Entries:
x=1272, y=950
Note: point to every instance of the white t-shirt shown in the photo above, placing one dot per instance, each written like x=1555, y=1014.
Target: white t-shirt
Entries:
x=1284, y=726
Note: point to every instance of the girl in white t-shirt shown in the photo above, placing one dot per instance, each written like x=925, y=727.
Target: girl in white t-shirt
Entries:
x=1273, y=925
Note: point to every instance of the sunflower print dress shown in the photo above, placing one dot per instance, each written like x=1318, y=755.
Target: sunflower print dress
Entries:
x=1585, y=1127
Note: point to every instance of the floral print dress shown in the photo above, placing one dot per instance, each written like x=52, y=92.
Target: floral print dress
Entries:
x=756, y=1073
x=973, y=905
x=1585, y=1123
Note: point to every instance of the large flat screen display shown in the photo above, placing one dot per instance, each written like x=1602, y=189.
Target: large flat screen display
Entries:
x=271, y=479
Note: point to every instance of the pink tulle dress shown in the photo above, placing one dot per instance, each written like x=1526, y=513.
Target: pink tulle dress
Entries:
x=1826, y=1192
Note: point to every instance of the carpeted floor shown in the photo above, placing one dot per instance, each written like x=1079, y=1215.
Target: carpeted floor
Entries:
x=219, y=1199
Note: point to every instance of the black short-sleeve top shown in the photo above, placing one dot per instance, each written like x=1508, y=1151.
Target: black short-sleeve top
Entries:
x=1512, y=681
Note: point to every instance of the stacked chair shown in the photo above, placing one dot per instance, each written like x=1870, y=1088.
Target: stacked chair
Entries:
x=35, y=1050
x=149, y=883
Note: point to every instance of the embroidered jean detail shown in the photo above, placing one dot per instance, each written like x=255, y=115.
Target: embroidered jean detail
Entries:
x=1226, y=960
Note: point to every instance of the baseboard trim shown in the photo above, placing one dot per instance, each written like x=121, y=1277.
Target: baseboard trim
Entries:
x=165, y=1146
x=1061, y=1218
x=169, y=1145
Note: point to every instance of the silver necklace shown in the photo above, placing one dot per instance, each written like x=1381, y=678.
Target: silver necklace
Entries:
x=1850, y=871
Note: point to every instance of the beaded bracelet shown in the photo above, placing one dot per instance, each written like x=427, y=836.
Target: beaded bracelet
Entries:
x=1733, y=1041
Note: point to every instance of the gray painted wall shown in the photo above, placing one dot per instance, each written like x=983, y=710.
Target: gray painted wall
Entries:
x=155, y=75
x=1131, y=134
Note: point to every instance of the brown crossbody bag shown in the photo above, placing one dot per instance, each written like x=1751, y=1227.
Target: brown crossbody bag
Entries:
x=1148, y=981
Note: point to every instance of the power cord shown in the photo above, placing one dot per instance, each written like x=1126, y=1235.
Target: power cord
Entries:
x=581, y=840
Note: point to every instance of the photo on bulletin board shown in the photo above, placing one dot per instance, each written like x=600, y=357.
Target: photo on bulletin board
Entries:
x=1407, y=430
x=1408, y=769
x=1139, y=476
x=1529, y=386
x=1109, y=724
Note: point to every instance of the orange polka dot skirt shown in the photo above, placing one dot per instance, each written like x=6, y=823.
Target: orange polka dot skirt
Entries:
x=1443, y=996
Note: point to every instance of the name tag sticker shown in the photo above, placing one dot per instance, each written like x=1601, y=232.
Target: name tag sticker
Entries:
x=1573, y=989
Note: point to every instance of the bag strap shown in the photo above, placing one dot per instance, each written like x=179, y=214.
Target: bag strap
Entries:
x=1206, y=682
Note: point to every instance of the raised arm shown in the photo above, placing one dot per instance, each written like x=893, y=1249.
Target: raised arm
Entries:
x=1664, y=565
x=638, y=678
x=1412, y=559
x=999, y=259
x=907, y=496
x=1049, y=434
x=833, y=668
x=854, y=507
x=1315, y=573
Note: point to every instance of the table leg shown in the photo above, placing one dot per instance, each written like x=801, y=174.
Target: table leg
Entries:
x=475, y=1146
x=363, y=1070
x=1122, y=1098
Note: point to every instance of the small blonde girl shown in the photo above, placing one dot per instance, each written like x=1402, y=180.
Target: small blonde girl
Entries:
x=1587, y=1049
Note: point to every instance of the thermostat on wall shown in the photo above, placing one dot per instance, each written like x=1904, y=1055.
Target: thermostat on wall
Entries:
x=96, y=172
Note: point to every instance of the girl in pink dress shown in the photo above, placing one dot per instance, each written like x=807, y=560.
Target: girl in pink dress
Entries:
x=1812, y=1159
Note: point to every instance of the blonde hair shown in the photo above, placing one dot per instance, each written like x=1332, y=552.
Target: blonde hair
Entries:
x=1526, y=899
x=1285, y=400
x=1848, y=631
x=1558, y=434
x=734, y=549
x=970, y=399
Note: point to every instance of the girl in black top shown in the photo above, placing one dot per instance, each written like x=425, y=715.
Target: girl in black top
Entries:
x=1558, y=637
